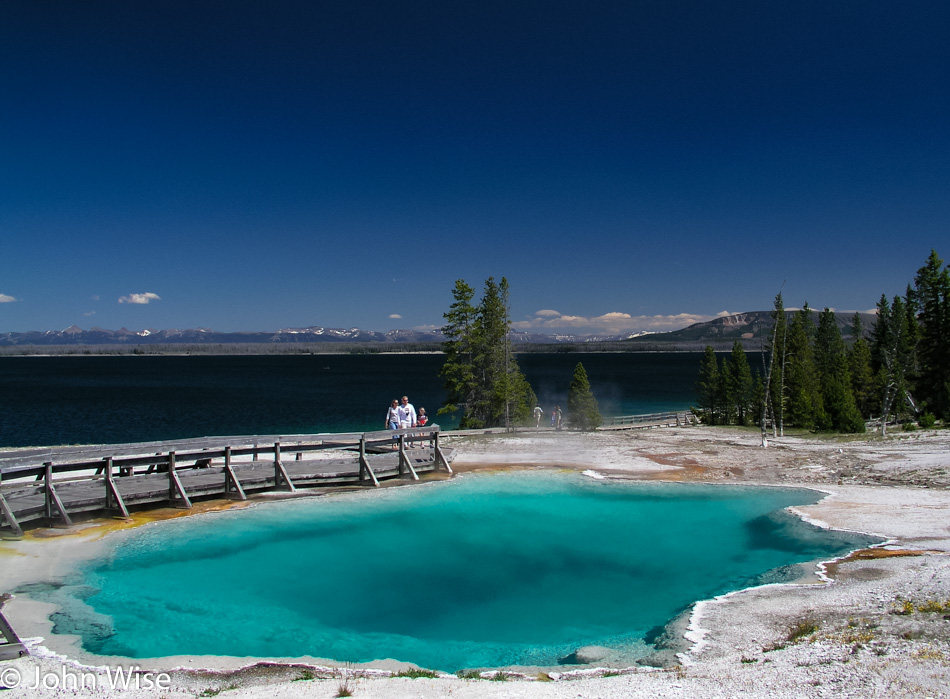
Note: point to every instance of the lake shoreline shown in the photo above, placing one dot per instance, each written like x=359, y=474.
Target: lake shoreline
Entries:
x=735, y=638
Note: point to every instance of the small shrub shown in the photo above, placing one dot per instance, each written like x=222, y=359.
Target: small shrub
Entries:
x=499, y=677
x=344, y=689
x=747, y=661
x=468, y=675
x=909, y=426
x=927, y=420
x=800, y=630
x=415, y=673
x=305, y=676
x=934, y=606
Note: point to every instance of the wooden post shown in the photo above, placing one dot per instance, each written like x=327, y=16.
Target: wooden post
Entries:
x=438, y=455
x=365, y=468
x=113, y=496
x=404, y=463
x=52, y=499
x=231, y=481
x=280, y=473
x=176, y=491
x=7, y=513
x=12, y=648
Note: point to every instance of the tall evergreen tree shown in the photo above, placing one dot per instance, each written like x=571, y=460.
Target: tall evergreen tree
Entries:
x=708, y=387
x=481, y=374
x=804, y=406
x=459, y=347
x=582, y=411
x=740, y=387
x=775, y=373
x=932, y=284
x=894, y=352
x=834, y=377
x=859, y=363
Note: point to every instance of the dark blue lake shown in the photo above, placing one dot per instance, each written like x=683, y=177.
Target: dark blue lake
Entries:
x=108, y=399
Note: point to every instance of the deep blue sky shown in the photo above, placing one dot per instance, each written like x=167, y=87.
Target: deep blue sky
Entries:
x=258, y=165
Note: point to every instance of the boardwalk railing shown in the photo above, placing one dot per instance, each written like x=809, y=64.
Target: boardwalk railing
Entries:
x=53, y=484
x=669, y=419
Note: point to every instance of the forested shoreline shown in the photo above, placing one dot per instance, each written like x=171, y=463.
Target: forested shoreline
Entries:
x=899, y=369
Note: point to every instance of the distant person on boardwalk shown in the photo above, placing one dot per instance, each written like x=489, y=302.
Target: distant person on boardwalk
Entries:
x=392, y=418
x=407, y=414
x=537, y=416
x=422, y=420
x=557, y=417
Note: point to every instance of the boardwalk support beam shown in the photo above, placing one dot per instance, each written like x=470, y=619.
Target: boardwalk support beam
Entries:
x=113, y=496
x=404, y=463
x=176, y=491
x=438, y=456
x=7, y=513
x=365, y=468
x=52, y=499
x=280, y=473
x=231, y=482
x=12, y=648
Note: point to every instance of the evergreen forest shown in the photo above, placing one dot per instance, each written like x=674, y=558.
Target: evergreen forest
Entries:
x=897, y=371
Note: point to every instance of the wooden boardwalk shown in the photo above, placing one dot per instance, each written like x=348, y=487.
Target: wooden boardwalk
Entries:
x=52, y=486
x=649, y=420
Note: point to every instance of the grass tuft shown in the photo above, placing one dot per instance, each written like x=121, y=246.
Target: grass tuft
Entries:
x=416, y=673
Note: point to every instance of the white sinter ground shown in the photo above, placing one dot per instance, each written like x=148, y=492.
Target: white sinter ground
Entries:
x=840, y=637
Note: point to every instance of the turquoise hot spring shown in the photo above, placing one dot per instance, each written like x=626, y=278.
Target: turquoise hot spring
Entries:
x=485, y=570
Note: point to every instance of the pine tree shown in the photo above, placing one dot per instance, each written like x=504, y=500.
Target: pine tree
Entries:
x=834, y=377
x=582, y=411
x=775, y=347
x=708, y=387
x=739, y=386
x=459, y=346
x=932, y=284
x=804, y=406
x=859, y=363
x=894, y=351
x=482, y=377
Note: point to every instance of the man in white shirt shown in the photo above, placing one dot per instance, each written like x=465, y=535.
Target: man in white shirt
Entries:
x=407, y=414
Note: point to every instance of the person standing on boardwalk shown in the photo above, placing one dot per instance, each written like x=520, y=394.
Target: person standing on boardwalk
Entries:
x=557, y=417
x=537, y=416
x=407, y=414
x=392, y=418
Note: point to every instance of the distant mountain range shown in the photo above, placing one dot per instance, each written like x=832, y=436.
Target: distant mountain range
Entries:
x=74, y=335
x=750, y=328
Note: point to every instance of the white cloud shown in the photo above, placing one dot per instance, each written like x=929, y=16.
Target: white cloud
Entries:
x=147, y=297
x=395, y=316
x=6, y=299
x=612, y=323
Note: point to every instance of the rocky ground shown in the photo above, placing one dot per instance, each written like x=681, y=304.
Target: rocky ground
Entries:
x=878, y=625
